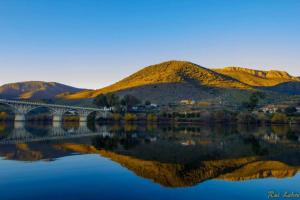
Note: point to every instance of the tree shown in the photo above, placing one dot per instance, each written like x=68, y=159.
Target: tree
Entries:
x=290, y=110
x=253, y=101
x=112, y=100
x=147, y=103
x=101, y=101
x=108, y=100
x=129, y=101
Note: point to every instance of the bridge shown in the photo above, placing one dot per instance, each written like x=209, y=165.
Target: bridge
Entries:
x=21, y=135
x=21, y=108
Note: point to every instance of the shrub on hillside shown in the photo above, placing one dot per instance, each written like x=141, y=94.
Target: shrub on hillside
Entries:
x=151, y=117
x=116, y=116
x=279, y=118
x=130, y=117
x=3, y=115
x=290, y=110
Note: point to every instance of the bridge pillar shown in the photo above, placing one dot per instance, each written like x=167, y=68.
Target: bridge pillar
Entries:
x=56, y=124
x=57, y=118
x=83, y=118
x=58, y=114
x=21, y=111
x=19, y=117
x=83, y=114
x=82, y=124
x=82, y=121
x=19, y=124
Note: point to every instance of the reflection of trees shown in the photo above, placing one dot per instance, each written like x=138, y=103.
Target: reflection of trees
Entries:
x=105, y=142
x=151, y=126
x=70, y=126
x=7, y=112
x=112, y=143
x=128, y=127
x=115, y=128
x=280, y=130
x=132, y=128
x=247, y=129
x=129, y=143
x=39, y=114
x=38, y=128
x=5, y=129
x=256, y=146
x=294, y=133
x=291, y=135
x=163, y=155
x=91, y=125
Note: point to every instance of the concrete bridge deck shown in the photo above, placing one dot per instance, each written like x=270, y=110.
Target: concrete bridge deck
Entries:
x=21, y=108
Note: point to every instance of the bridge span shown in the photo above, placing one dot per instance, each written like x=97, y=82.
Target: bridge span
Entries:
x=21, y=108
x=20, y=134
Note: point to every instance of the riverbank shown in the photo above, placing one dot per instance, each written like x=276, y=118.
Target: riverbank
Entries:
x=204, y=117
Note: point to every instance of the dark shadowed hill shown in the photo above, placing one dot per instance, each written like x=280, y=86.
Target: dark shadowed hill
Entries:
x=290, y=88
x=35, y=90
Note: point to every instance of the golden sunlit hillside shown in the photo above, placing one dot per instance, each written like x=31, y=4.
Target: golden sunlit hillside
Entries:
x=257, y=77
x=171, y=82
x=171, y=72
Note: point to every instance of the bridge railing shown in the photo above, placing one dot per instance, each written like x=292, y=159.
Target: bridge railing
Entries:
x=50, y=105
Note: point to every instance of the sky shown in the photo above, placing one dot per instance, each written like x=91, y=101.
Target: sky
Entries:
x=94, y=43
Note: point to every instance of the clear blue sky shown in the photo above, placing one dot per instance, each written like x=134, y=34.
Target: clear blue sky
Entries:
x=91, y=44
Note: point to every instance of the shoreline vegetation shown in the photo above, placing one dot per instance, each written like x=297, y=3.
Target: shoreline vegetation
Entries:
x=179, y=92
x=201, y=117
x=218, y=117
x=130, y=109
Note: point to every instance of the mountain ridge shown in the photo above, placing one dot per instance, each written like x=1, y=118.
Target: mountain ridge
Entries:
x=35, y=90
x=171, y=81
x=170, y=72
x=257, y=77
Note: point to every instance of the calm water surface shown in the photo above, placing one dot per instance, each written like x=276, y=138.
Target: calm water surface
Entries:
x=40, y=161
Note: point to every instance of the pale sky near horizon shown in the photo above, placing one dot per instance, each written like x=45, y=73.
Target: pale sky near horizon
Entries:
x=91, y=44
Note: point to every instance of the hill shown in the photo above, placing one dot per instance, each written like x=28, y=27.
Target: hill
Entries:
x=289, y=88
x=257, y=77
x=35, y=90
x=170, y=81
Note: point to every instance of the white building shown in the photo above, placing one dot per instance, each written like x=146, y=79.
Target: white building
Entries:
x=270, y=109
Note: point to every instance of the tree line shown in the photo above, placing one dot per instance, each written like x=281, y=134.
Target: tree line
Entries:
x=111, y=100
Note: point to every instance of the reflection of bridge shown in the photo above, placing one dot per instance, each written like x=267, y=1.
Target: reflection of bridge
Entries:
x=22, y=135
x=21, y=108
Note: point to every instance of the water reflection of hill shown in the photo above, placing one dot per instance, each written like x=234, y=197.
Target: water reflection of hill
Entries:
x=180, y=156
